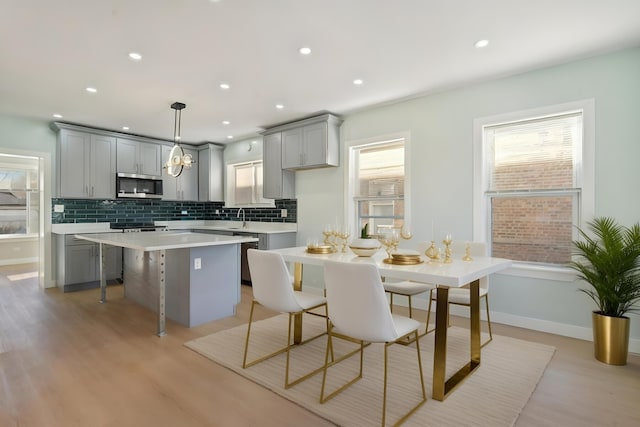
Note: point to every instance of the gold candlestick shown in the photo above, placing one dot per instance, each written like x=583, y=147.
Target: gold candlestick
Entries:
x=447, y=248
x=467, y=253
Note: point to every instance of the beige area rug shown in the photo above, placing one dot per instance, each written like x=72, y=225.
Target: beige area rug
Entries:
x=493, y=396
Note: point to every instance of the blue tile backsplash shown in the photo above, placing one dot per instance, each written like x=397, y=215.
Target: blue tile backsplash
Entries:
x=89, y=210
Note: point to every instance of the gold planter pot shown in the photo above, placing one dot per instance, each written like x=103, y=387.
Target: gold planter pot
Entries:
x=610, y=338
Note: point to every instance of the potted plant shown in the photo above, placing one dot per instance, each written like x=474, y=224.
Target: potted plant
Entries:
x=609, y=261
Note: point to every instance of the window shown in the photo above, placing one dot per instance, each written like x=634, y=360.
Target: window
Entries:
x=378, y=185
x=244, y=185
x=19, y=196
x=534, y=185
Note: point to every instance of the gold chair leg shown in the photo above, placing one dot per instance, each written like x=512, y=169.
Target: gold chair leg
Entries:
x=326, y=366
x=246, y=342
x=391, y=301
x=486, y=300
x=424, y=393
x=293, y=317
x=410, y=309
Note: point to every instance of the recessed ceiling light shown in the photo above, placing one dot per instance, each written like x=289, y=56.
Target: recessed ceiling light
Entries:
x=135, y=56
x=229, y=136
x=482, y=43
x=57, y=116
x=125, y=127
x=305, y=50
x=358, y=82
x=226, y=122
x=91, y=89
x=279, y=106
x=224, y=86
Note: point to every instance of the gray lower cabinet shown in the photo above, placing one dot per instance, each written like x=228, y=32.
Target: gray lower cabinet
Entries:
x=78, y=263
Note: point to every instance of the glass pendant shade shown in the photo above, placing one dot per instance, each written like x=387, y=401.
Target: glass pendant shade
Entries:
x=177, y=160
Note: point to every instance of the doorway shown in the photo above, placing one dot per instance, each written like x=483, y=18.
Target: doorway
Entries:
x=21, y=212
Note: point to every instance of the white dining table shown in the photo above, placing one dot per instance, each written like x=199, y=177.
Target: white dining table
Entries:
x=458, y=273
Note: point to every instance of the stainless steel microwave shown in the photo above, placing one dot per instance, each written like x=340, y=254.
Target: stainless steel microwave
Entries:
x=138, y=186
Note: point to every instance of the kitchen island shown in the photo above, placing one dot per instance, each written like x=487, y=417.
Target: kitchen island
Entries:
x=191, y=278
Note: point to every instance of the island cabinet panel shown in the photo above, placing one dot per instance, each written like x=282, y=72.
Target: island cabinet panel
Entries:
x=193, y=296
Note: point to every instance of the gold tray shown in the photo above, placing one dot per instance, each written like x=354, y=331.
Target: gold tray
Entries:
x=402, y=262
x=405, y=257
x=320, y=250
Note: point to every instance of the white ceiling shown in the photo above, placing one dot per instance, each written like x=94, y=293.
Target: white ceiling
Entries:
x=50, y=51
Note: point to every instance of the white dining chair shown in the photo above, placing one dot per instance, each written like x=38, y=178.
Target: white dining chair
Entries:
x=358, y=311
x=273, y=289
x=462, y=296
x=409, y=289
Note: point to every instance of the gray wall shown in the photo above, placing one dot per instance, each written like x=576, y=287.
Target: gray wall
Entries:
x=441, y=171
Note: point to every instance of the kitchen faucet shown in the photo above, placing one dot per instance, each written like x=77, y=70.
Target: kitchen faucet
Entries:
x=244, y=222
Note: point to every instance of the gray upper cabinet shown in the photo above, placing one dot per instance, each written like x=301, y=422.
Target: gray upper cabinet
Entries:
x=210, y=171
x=87, y=164
x=277, y=183
x=185, y=186
x=138, y=157
x=188, y=179
x=310, y=143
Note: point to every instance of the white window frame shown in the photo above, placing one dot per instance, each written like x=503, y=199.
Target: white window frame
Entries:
x=33, y=165
x=585, y=179
x=351, y=203
x=258, y=201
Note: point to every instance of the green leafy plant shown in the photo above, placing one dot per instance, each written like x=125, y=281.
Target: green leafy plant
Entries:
x=610, y=263
x=364, y=233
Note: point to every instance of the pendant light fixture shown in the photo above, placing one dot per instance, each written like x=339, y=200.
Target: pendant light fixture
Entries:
x=178, y=160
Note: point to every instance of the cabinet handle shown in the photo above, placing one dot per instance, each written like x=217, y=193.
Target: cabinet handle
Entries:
x=86, y=190
x=93, y=192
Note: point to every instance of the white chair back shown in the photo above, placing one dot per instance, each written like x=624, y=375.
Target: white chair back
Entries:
x=271, y=281
x=357, y=303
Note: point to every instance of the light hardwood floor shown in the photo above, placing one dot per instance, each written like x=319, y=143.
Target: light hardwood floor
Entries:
x=66, y=360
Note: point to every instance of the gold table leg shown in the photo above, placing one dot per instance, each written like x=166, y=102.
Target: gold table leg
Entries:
x=297, y=319
x=441, y=386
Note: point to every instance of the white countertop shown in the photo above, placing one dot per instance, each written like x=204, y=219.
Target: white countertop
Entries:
x=161, y=240
x=234, y=226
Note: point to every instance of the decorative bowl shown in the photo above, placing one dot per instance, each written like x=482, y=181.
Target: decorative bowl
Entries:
x=363, y=251
x=365, y=243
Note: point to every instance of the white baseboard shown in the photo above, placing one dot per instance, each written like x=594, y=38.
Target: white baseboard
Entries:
x=15, y=261
x=563, y=329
